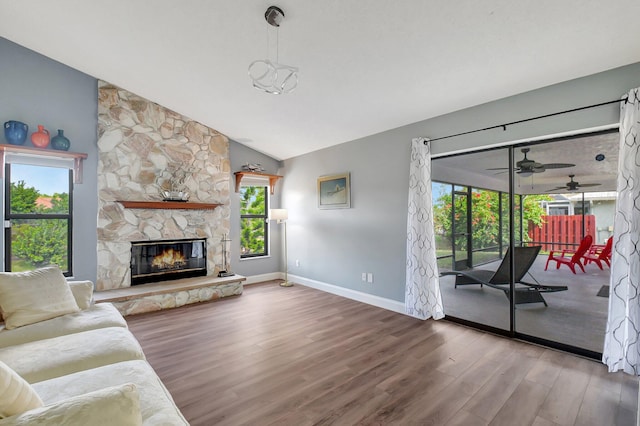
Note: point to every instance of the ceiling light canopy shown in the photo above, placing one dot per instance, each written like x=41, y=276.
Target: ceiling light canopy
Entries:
x=269, y=76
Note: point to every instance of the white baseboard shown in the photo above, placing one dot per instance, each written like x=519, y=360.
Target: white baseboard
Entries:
x=380, y=302
x=253, y=279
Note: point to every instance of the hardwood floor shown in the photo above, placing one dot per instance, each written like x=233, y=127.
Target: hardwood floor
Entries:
x=298, y=356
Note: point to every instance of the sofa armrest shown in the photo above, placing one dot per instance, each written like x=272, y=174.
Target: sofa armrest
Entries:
x=120, y=404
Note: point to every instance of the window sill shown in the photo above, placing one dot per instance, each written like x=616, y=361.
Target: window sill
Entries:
x=242, y=259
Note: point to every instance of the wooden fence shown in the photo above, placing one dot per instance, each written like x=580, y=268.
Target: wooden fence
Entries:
x=561, y=232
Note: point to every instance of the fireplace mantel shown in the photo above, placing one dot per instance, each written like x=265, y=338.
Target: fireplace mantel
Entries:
x=167, y=205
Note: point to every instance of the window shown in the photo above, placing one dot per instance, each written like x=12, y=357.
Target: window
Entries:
x=582, y=207
x=38, y=207
x=253, y=221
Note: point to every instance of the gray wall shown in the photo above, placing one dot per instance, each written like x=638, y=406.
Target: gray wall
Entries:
x=37, y=90
x=239, y=155
x=336, y=246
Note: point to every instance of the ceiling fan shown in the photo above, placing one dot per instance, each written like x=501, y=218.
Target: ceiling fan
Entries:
x=573, y=186
x=526, y=166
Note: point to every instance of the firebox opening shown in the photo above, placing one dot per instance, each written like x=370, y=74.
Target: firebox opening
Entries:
x=153, y=261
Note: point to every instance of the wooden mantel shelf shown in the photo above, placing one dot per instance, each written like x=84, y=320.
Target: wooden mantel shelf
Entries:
x=77, y=157
x=272, y=179
x=167, y=205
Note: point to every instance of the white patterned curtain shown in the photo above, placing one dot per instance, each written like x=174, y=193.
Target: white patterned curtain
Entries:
x=622, y=339
x=422, y=291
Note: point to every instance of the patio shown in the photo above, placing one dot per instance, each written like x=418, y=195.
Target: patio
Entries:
x=574, y=317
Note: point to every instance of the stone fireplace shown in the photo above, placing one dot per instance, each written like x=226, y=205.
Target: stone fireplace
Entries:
x=141, y=145
x=165, y=260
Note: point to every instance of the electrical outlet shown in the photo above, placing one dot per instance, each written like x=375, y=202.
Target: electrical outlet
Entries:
x=370, y=277
x=364, y=276
x=297, y=262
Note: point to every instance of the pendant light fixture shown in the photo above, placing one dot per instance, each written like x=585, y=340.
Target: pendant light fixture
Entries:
x=273, y=77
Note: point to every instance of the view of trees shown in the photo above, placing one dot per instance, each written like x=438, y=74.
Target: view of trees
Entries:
x=485, y=215
x=39, y=241
x=253, y=211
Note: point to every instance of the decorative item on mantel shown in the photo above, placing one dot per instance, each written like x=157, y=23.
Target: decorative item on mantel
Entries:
x=41, y=138
x=253, y=167
x=60, y=141
x=172, y=182
x=225, y=265
x=15, y=132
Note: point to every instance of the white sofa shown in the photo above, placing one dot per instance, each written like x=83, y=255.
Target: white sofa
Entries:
x=85, y=366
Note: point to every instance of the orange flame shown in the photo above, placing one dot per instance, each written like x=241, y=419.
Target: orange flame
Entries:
x=169, y=259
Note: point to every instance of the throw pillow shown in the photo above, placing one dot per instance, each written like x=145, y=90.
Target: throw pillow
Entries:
x=83, y=293
x=117, y=405
x=34, y=296
x=16, y=395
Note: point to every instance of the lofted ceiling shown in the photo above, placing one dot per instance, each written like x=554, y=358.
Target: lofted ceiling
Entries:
x=365, y=66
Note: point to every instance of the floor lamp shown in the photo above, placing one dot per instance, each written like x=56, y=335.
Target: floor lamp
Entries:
x=281, y=216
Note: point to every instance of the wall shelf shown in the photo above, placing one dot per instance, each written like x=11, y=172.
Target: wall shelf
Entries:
x=272, y=179
x=77, y=157
x=167, y=205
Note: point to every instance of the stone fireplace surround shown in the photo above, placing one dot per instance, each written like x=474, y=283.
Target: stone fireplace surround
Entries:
x=139, y=144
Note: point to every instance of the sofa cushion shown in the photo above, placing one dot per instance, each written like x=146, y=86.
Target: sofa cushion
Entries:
x=16, y=395
x=33, y=296
x=100, y=315
x=82, y=292
x=156, y=405
x=49, y=358
x=117, y=405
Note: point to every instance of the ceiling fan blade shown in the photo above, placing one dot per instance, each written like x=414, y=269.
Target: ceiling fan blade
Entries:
x=556, y=189
x=558, y=165
x=585, y=185
x=498, y=168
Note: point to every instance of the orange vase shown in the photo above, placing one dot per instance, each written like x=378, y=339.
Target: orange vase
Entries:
x=40, y=139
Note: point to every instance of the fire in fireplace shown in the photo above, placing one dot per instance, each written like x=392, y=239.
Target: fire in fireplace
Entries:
x=153, y=261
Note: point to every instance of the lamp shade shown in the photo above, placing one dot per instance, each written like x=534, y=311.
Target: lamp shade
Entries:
x=278, y=214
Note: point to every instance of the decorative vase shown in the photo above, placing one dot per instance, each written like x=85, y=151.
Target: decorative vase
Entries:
x=15, y=132
x=60, y=141
x=40, y=139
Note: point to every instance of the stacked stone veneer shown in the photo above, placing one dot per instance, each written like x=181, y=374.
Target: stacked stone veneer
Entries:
x=140, y=143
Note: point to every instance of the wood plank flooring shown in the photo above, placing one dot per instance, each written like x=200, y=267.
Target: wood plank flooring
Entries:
x=298, y=356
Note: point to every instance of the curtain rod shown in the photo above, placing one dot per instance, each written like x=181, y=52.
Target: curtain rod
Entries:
x=504, y=126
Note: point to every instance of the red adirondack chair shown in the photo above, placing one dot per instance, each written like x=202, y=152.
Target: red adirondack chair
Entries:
x=575, y=256
x=599, y=254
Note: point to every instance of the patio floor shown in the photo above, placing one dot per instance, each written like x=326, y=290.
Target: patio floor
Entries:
x=574, y=317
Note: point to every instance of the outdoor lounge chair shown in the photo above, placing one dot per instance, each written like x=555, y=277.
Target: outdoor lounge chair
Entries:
x=499, y=279
x=569, y=257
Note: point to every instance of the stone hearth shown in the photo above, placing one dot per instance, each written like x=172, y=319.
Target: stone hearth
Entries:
x=173, y=294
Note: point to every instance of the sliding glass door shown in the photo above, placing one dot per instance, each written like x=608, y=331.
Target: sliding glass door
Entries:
x=470, y=236
x=562, y=191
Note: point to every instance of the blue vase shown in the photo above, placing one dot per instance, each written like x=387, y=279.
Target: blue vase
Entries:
x=60, y=141
x=15, y=132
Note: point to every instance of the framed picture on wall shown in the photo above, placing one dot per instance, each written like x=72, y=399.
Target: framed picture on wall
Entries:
x=334, y=191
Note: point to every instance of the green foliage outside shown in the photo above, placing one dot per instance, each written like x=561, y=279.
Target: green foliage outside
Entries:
x=253, y=213
x=485, y=218
x=38, y=242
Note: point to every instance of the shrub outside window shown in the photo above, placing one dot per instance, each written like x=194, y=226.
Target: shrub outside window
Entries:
x=253, y=221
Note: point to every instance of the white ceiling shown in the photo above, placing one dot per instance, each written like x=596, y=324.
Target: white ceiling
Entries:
x=365, y=66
